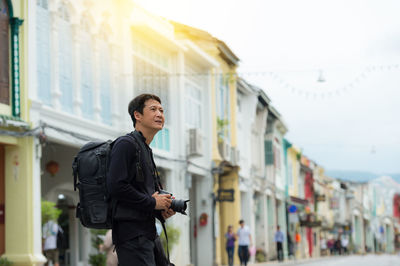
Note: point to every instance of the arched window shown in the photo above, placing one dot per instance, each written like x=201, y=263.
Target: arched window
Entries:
x=86, y=69
x=43, y=52
x=105, y=76
x=4, y=53
x=65, y=58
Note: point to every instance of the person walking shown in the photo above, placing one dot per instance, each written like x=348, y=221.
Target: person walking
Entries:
x=338, y=246
x=49, y=234
x=134, y=185
x=230, y=244
x=108, y=247
x=244, y=242
x=345, y=243
x=279, y=238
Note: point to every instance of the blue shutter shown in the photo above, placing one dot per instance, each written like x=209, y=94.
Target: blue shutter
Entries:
x=43, y=55
x=269, y=154
x=167, y=138
x=86, y=77
x=105, y=100
x=65, y=65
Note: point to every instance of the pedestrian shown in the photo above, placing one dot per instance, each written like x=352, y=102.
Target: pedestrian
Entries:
x=323, y=246
x=279, y=238
x=331, y=244
x=230, y=244
x=338, y=246
x=108, y=247
x=345, y=243
x=297, y=238
x=134, y=185
x=244, y=236
x=49, y=234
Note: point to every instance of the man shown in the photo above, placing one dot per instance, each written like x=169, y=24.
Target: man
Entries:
x=279, y=238
x=345, y=243
x=134, y=184
x=50, y=231
x=244, y=242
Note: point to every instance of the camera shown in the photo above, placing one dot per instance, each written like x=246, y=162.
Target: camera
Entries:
x=177, y=205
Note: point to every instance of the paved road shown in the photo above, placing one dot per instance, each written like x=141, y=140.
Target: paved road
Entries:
x=367, y=260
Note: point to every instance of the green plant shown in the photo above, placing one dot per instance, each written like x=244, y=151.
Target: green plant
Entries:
x=96, y=241
x=97, y=259
x=173, y=237
x=5, y=262
x=221, y=127
x=261, y=256
x=49, y=211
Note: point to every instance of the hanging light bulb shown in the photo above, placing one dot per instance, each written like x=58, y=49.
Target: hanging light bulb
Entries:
x=321, y=76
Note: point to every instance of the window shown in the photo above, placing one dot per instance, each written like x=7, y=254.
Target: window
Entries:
x=223, y=101
x=151, y=75
x=43, y=52
x=269, y=154
x=105, y=77
x=193, y=105
x=290, y=174
x=86, y=70
x=277, y=157
x=65, y=58
x=43, y=4
x=4, y=53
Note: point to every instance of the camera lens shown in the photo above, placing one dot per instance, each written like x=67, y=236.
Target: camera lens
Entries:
x=179, y=206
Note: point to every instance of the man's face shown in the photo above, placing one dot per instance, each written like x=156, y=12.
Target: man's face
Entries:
x=152, y=117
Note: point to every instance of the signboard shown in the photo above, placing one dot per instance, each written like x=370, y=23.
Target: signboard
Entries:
x=226, y=195
x=320, y=197
x=310, y=223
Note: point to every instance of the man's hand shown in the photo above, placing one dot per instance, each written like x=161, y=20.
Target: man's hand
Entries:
x=163, y=201
x=167, y=213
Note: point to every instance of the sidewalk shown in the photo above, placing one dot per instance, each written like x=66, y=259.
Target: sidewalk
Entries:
x=292, y=262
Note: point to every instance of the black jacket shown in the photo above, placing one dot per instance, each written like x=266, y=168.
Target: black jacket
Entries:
x=131, y=182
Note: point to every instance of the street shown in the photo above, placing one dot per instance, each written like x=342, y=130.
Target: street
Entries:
x=367, y=260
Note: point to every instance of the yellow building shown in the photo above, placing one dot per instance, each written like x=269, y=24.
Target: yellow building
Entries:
x=224, y=141
x=20, y=238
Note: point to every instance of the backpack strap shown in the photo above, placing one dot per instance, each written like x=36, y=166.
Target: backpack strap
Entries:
x=75, y=165
x=139, y=171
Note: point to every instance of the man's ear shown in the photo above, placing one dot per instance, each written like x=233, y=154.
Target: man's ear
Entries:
x=137, y=115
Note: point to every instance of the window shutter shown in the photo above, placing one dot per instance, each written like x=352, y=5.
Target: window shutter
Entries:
x=269, y=154
x=4, y=54
x=43, y=55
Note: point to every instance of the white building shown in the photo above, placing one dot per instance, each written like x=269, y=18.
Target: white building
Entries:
x=88, y=59
x=251, y=122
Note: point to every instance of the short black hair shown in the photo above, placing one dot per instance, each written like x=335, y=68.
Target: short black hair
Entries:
x=241, y=221
x=137, y=104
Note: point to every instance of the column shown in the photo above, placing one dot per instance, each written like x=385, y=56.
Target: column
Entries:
x=76, y=71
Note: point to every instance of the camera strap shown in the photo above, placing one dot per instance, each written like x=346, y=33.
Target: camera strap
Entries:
x=157, y=183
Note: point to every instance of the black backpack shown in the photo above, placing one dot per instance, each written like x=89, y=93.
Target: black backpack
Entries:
x=90, y=167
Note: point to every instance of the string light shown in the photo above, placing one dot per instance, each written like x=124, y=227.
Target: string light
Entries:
x=282, y=82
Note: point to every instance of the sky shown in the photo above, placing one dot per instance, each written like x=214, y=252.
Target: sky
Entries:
x=351, y=121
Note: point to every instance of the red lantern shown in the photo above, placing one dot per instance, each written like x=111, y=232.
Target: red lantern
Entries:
x=52, y=167
x=203, y=219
